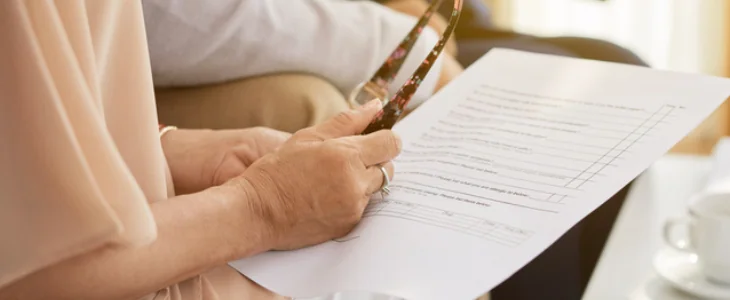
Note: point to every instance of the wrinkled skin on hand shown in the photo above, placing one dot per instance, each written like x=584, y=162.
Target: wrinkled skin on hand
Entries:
x=199, y=158
x=316, y=186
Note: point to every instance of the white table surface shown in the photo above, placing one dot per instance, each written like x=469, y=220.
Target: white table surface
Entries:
x=625, y=269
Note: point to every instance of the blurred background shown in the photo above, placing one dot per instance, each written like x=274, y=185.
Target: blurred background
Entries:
x=681, y=35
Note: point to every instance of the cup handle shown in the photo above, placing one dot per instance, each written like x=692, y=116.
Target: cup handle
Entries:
x=682, y=244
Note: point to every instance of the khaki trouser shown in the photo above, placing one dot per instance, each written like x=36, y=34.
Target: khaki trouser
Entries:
x=287, y=102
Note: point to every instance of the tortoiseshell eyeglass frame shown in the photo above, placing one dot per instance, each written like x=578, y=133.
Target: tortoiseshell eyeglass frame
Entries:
x=377, y=86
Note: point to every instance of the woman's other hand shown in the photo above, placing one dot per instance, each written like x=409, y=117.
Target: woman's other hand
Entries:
x=317, y=185
x=200, y=158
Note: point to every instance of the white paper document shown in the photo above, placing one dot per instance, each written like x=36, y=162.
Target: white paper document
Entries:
x=494, y=169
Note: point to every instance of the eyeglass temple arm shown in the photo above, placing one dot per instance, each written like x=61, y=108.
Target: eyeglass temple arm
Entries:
x=392, y=110
x=392, y=65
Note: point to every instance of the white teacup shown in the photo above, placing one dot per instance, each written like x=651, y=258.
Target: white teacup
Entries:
x=707, y=235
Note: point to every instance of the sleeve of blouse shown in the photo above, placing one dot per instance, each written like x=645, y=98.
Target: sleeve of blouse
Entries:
x=198, y=42
x=76, y=121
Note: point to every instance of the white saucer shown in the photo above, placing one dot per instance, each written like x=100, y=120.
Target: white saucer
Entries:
x=682, y=271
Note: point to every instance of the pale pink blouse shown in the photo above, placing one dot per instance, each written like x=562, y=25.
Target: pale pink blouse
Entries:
x=80, y=156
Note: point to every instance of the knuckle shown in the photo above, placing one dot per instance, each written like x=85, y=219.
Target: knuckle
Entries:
x=355, y=215
x=260, y=128
x=346, y=117
x=336, y=155
x=394, y=143
x=344, y=230
x=330, y=148
x=340, y=149
x=301, y=133
x=257, y=131
x=364, y=200
x=306, y=134
x=268, y=131
x=271, y=131
x=398, y=143
x=365, y=185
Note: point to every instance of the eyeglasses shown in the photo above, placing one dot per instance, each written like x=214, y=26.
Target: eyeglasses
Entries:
x=377, y=86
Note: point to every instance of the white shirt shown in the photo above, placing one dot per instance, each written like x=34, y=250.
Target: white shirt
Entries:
x=197, y=42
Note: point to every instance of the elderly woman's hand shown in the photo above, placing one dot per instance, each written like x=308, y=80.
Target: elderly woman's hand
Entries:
x=200, y=159
x=317, y=185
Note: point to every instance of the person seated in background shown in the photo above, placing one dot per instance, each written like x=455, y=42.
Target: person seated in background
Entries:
x=284, y=65
x=477, y=34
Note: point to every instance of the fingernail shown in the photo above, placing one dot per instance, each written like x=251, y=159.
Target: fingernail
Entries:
x=375, y=103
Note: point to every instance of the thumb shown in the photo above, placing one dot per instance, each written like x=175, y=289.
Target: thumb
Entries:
x=349, y=122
